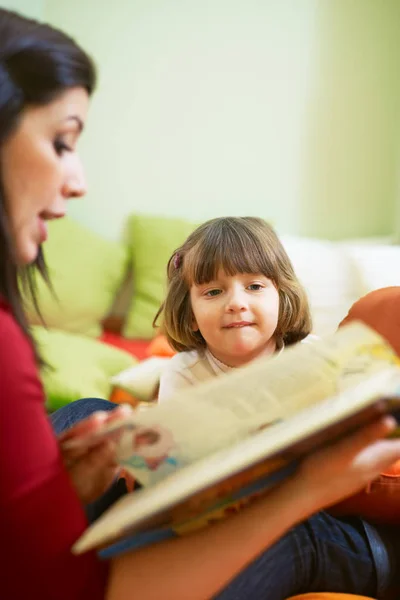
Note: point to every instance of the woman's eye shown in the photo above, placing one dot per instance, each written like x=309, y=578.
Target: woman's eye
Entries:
x=60, y=146
x=211, y=293
x=255, y=287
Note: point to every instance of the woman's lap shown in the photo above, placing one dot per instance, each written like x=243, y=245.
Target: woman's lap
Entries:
x=322, y=554
x=74, y=412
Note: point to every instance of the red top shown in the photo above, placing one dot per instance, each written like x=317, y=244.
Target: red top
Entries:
x=40, y=513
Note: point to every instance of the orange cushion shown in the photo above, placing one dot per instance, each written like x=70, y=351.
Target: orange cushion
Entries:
x=138, y=348
x=327, y=596
x=380, y=310
x=380, y=501
x=121, y=396
x=159, y=346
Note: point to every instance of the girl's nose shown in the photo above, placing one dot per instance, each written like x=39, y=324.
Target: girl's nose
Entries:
x=236, y=302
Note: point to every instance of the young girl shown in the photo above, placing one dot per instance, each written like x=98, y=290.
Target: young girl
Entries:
x=232, y=296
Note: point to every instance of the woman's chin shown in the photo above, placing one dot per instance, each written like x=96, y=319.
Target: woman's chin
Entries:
x=27, y=254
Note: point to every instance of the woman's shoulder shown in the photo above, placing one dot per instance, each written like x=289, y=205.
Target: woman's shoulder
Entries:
x=9, y=329
x=17, y=360
x=12, y=338
x=5, y=309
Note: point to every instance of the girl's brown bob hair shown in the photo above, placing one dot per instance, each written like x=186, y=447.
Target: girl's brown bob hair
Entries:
x=236, y=245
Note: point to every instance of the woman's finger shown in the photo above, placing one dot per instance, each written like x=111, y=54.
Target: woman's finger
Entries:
x=342, y=452
x=84, y=427
x=345, y=467
x=365, y=436
x=123, y=410
x=94, y=473
x=96, y=420
x=377, y=457
x=76, y=441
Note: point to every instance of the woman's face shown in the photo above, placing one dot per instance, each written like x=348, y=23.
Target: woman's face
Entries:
x=41, y=169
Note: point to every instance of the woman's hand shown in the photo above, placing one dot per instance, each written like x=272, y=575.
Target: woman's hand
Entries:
x=345, y=467
x=92, y=468
x=322, y=479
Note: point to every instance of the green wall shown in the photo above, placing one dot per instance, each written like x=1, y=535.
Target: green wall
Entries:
x=200, y=109
x=29, y=8
x=351, y=151
x=284, y=108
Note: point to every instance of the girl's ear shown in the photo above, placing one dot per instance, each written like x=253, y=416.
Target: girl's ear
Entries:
x=195, y=327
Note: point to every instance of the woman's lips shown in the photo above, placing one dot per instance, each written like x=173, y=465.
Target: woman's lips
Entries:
x=43, y=231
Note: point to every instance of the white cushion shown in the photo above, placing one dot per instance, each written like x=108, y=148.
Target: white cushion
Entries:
x=142, y=379
x=329, y=278
x=377, y=266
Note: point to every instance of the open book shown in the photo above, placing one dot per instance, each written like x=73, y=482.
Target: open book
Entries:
x=214, y=447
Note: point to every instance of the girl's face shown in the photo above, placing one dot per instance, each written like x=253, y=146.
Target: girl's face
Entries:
x=237, y=316
x=41, y=170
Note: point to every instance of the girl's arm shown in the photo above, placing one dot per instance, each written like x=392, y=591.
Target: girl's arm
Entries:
x=200, y=565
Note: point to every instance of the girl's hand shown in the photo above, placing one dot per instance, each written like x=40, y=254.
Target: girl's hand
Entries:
x=92, y=469
x=345, y=467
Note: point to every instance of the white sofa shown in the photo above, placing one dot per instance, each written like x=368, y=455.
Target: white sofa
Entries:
x=336, y=274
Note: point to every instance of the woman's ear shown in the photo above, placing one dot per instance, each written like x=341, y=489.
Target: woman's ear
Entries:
x=195, y=327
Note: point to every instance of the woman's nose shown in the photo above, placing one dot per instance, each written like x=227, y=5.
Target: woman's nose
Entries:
x=75, y=182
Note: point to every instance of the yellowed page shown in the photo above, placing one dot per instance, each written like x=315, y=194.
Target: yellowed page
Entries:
x=227, y=409
x=199, y=485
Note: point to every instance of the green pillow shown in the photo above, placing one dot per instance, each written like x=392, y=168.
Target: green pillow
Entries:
x=79, y=367
x=86, y=272
x=152, y=241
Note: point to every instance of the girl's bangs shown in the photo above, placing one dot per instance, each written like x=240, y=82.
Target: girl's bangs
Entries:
x=231, y=253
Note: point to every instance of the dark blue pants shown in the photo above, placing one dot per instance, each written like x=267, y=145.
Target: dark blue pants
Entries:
x=322, y=554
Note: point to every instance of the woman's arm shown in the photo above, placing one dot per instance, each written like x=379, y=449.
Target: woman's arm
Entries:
x=200, y=565
x=40, y=513
x=197, y=566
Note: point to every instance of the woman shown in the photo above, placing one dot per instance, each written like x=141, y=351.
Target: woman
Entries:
x=45, y=84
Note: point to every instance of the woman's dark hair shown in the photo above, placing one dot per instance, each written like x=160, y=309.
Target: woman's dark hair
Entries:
x=37, y=64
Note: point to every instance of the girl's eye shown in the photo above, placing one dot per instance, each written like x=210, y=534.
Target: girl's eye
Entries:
x=212, y=293
x=255, y=287
x=60, y=146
